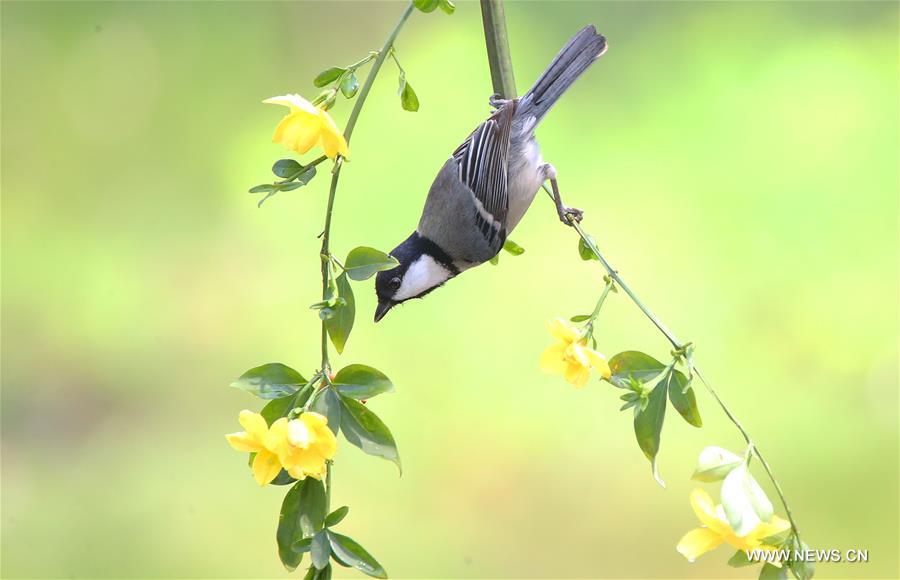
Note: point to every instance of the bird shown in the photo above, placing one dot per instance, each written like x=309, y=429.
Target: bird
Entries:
x=484, y=189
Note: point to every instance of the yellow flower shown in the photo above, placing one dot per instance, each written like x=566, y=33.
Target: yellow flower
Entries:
x=716, y=530
x=303, y=444
x=571, y=356
x=265, y=465
x=307, y=126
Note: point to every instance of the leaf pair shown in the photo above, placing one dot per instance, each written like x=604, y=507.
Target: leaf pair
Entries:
x=293, y=175
x=512, y=248
x=631, y=370
x=302, y=516
x=344, y=550
x=431, y=5
x=345, y=78
x=339, y=313
x=361, y=427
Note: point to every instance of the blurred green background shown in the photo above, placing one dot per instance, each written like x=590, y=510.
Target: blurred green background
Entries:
x=737, y=161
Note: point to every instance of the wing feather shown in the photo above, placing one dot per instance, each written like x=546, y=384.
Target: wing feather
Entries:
x=483, y=161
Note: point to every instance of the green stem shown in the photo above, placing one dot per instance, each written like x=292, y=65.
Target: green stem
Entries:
x=497, y=44
x=336, y=172
x=330, y=466
x=613, y=274
x=493, y=16
x=601, y=300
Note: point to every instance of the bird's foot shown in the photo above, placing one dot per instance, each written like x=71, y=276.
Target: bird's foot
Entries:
x=496, y=101
x=570, y=215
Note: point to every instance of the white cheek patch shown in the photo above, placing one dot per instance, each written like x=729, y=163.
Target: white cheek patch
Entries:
x=423, y=274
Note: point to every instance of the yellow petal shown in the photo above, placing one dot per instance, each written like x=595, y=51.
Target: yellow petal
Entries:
x=577, y=374
x=576, y=353
x=254, y=424
x=298, y=132
x=766, y=529
x=276, y=441
x=333, y=141
x=598, y=362
x=705, y=509
x=296, y=472
x=309, y=460
x=240, y=441
x=326, y=442
x=561, y=330
x=553, y=359
x=265, y=467
x=313, y=420
x=299, y=434
x=698, y=542
x=295, y=102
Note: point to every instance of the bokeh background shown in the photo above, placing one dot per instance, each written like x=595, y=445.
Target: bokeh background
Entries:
x=736, y=160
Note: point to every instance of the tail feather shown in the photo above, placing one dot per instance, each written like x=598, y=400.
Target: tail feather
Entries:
x=574, y=58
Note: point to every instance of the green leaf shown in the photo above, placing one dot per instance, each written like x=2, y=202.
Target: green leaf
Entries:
x=312, y=508
x=307, y=175
x=263, y=188
x=302, y=546
x=715, y=463
x=584, y=250
x=348, y=551
x=350, y=85
x=426, y=5
x=270, y=381
x=408, y=98
x=802, y=570
x=340, y=323
x=513, y=248
x=314, y=573
x=335, y=517
x=580, y=318
x=290, y=186
x=280, y=407
x=328, y=405
x=283, y=478
x=770, y=572
x=744, y=501
x=364, y=429
x=361, y=382
x=448, y=7
x=495, y=260
x=289, y=527
x=287, y=168
x=328, y=76
x=648, y=427
x=363, y=262
x=683, y=401
x=320, y=550
x=740, y=559
x=633, y=364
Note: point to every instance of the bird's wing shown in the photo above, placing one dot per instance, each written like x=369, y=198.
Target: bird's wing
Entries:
x=483, y=168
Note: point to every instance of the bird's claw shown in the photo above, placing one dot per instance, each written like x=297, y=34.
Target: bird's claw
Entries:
x=496, y=101
x=571, y=215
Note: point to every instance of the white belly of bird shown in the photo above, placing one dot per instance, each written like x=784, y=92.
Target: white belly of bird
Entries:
x=526, y=174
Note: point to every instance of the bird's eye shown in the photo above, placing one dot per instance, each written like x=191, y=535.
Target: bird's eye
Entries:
x=395, y=283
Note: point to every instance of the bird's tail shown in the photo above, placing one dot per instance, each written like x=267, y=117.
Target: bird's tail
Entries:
x=574, y=58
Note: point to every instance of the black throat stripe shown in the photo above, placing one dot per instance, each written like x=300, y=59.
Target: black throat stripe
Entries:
x=435, y=251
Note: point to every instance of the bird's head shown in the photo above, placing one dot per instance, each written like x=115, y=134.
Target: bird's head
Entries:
x=423, y=267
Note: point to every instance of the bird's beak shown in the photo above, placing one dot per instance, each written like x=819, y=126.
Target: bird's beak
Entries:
x=382, y=309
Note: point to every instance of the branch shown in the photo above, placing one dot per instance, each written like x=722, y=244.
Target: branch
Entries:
x=494, y=17
x=336, y=172
x=497, y=44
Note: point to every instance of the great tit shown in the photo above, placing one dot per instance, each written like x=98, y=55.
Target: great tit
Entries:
x=483, y=190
